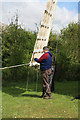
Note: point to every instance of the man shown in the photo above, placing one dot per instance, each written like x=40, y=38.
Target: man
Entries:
x=51, y=78
x=45, y=66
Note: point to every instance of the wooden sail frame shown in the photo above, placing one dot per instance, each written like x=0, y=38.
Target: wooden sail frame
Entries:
x=44, y=31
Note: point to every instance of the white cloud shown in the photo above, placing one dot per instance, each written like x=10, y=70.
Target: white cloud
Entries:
x=63, y=17
x=32, y=11
x=37, y=0
x=68, y=0
x=0, y=11
x=29, y=12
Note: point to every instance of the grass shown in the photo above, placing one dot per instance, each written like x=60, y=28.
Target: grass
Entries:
x=19, y=103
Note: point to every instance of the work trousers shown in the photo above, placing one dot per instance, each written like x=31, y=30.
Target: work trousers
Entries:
x=46, y=87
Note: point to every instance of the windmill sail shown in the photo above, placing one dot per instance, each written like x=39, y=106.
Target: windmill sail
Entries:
x=44, y=31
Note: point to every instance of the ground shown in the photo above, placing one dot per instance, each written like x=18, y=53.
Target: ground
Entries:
x=17, y=102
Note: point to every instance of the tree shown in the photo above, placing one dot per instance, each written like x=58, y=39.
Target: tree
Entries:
x=69, y=37
x=66, y=49
x=17, y=47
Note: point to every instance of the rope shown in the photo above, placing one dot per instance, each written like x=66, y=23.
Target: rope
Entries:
x=14, y=66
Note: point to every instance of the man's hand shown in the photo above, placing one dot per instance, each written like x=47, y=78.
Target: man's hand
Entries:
x=35, y=59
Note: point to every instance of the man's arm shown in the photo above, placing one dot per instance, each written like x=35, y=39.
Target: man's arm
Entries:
x=43, y=57
x=37, y=60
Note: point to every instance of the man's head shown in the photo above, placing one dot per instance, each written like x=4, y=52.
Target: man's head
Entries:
x=45, y=49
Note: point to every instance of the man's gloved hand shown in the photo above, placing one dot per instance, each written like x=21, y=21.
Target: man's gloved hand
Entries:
x=35, y=59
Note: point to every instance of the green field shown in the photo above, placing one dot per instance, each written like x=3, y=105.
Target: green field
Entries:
x=19, y=103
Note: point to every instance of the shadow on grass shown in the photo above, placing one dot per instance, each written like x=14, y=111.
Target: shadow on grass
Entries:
x=13, y=91
x=69, y=88
x=31, y=95
x=16, y=89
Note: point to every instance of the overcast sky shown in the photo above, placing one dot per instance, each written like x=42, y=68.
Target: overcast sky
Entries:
x=31, y=12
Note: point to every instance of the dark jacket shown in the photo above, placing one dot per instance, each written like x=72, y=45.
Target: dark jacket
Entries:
x=45, y=61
